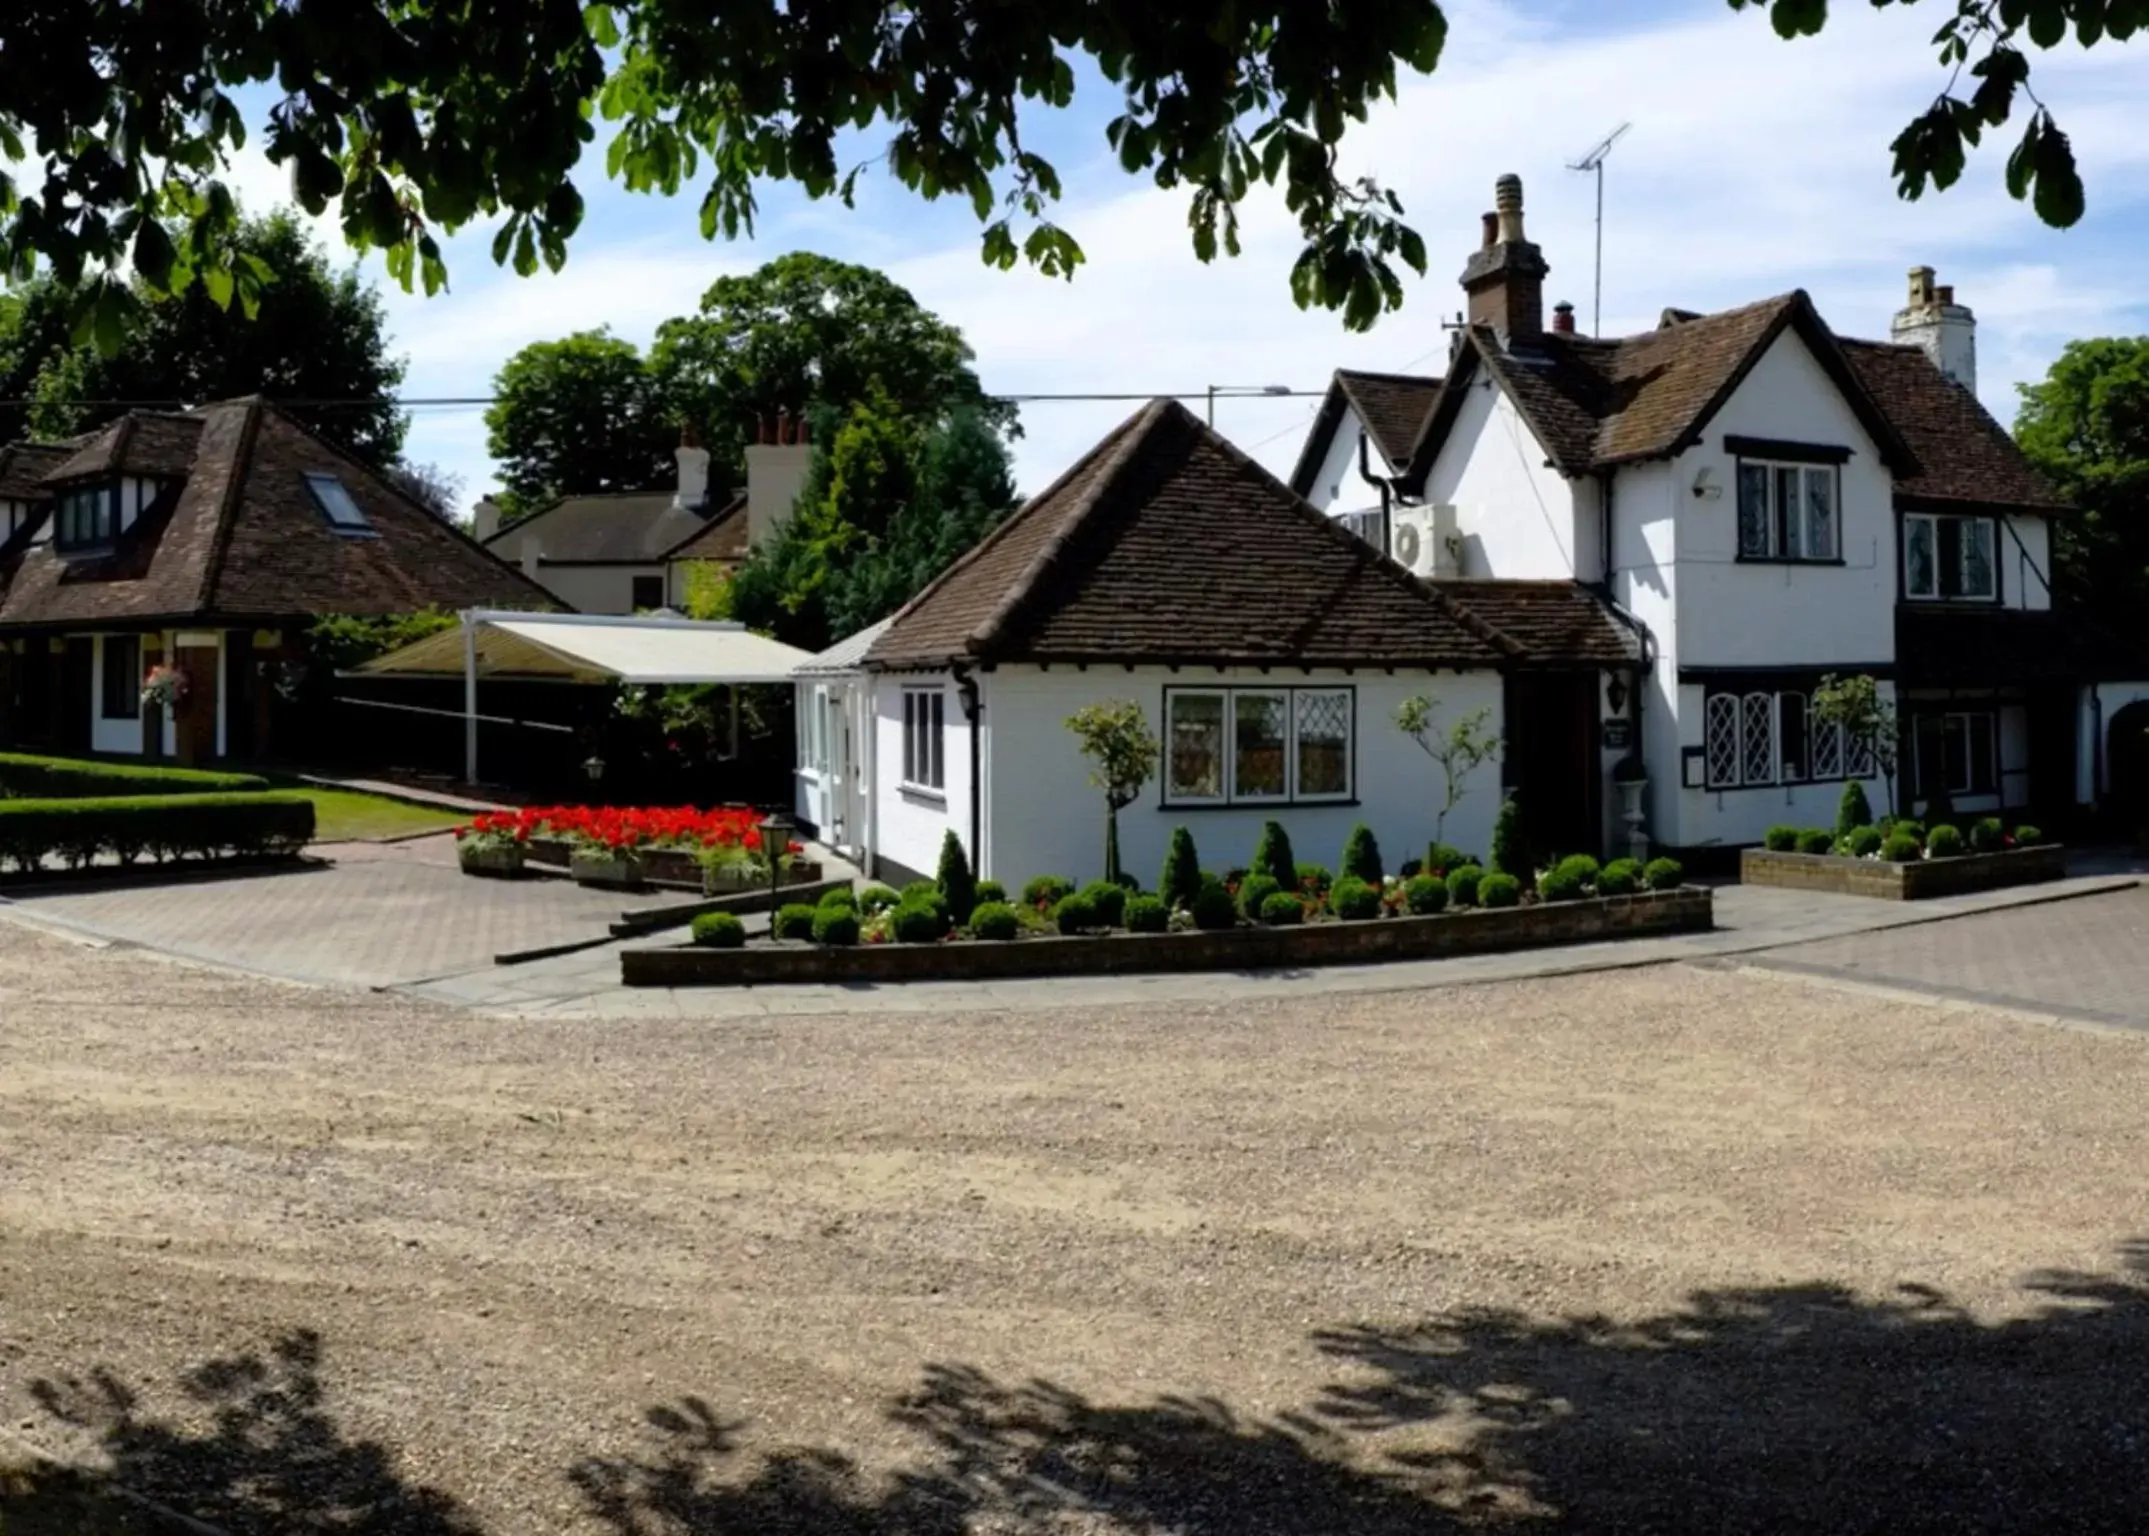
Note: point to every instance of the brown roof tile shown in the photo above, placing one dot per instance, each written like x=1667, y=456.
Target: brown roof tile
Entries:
x=723, y=537
x=237, y=533
x=638, y=526
x=1166, y=544
x=1393, y=407
x=1556, y=620
x=24, y=466
x=1963, y=454
x=147, y=443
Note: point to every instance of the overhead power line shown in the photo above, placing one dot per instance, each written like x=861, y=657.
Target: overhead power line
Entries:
x=416, y=402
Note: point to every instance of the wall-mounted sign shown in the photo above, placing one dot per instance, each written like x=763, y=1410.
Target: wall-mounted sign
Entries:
x=1618, y=735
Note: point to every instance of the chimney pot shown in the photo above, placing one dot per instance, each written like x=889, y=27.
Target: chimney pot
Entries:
x=1507, y=193
x=1945, y=293
x=1492, y=229
x=1505, y=276
x=1563, y=318
x=1944, y=329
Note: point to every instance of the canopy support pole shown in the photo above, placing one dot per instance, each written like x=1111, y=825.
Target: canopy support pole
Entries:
x=470, y=697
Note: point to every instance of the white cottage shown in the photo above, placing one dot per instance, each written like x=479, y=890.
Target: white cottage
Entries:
x=1768, y=502
x=1269, y=649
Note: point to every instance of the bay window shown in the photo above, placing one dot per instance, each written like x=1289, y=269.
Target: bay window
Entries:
x=1257, y=746
x=1949, y=558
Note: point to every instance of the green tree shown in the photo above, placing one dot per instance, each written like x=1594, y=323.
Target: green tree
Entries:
x=1510, y=853
x=1468, y=745
x=577, y=416
x=414, y=118
x=317, y=335
x=1855, y=704
x=1982, y=46
x=954, y=877
x=1123, y=753
x=2087, y=427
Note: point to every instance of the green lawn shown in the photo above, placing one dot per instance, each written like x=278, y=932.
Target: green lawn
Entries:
x=346, y=816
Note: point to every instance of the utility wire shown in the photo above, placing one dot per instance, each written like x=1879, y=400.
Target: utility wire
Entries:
x=356, y=401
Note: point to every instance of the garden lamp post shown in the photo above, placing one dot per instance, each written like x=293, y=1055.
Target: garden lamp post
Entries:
x=776, y=829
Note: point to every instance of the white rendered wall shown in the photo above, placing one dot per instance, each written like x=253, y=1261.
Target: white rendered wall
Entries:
x=2026, y=562
x=1339, y=487
x=110, y=735
x=595, y=588
x=1644, y=582
x=1516, y=514
x=909, y=823
x=1044, y=817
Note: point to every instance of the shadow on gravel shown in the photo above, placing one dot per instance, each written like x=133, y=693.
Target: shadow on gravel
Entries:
x=1789, y=1409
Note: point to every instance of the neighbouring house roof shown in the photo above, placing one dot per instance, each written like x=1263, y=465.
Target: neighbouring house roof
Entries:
x=1594, y=403
x=576, y=648
x=846, y=655
x=1391, y=406
x=1165, y=544
x=1560, y=621
x=24, y=466
x=723, y=537
x=645, y=527
x=235, y=532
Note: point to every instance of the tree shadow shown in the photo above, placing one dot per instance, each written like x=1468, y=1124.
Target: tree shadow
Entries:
x=265, y=1456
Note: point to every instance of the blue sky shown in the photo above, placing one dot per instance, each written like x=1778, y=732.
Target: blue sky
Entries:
x=1753, y=166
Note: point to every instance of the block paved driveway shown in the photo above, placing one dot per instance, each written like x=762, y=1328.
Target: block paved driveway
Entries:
x=372, y=915
x=2085, y=959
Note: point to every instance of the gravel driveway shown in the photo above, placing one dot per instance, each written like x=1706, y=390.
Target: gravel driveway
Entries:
x=1672, y=1249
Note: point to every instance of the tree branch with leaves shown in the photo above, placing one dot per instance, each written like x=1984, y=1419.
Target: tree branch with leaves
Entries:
x=1123, y=753
x=1466, y=746
x=1855, y=704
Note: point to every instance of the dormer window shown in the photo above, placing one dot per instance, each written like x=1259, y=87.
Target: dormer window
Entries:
x=15, y=515
x=343, y=514
x=85, y=518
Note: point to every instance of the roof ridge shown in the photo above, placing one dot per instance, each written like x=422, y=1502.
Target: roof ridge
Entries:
x=1144, y=422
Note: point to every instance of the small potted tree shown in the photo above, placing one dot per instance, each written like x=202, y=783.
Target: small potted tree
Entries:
x=1123, y=752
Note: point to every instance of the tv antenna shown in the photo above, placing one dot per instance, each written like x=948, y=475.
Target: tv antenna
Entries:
x=1594, y=161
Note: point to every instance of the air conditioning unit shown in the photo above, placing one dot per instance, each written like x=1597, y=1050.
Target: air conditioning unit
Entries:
x=1425, y=540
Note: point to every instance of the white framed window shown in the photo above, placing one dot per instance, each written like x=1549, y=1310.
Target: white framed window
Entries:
x=1959, y=749
x=1824, y=746
x=1720, y=740
x=1950, y=559
x=924, y=722
x=1788, y=511
x=1258, y=746
x=1758, y=736
x=344, y=515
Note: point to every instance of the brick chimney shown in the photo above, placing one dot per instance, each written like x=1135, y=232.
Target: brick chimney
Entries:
x=1505, y=276
x=1563, y=318
x=693, y=492
x=1946, y=330
x=484, y=519
x=776, y=463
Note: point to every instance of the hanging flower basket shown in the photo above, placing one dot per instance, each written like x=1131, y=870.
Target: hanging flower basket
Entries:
x=164, y=688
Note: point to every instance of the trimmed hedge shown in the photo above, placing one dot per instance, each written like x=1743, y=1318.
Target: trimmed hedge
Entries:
x=1281, y=909
x=1254, y=890
x=1110, y=901
x=1148, y=914
x=993, y=920
x=1425, y=895
x=1077, y=914
x=1463, y=883
x=1498, y=889
x=1816, y=840
x=1569, y=880
x=166, y=827
x=1861, y=842
x=877, y=898
x=1780, y=838
x=1663, y=874
x=1353, y=900
x=795, y=921
x=1212, y=908
x=1046, y=890
x=719, y=930
x=1944, y=843
x=25, y=776
x=835, y=925
x=919, y=922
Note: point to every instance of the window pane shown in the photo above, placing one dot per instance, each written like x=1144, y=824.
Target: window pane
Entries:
x=1787, y=518
x=1858, y=758
x=1824, y=740
x=937, y=742
x=1955, y=752
x=1258, y=737
x=1757, y=739
x=1753, y=510
x=335, y=502
x=1948, y=535
x=1919, y=559
x=1324, y=741
x=1820, y=514
x=1720, y=737
x=1197, y=745
x=1791, y=733
x=1982, y=768
x=122, y=678
x=1977, y=557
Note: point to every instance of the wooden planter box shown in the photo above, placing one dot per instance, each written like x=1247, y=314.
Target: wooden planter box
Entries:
x=1688, y=909
x=1914, y=881
x=555, y=851
x=603, y=869
x=503, y=863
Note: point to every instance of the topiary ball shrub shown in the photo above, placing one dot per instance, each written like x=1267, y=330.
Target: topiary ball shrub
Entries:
x=1663, y=874
x=1272, y=855
x=1987, y=835
x=1853, y=810
x=1180, y=881
x=1440, y=858
x=1780, y=839
x=1568, y=880
x=1498, y=890
x=1900, y=848
x=1147, y=914
x=1212, y=907
x=919, y=922
x=794, y=921
x=923, y=890
x=1314, y=881
x=2027, y=836
x=1621, y=877
x=1463, y=883
x=1110, y=901
x=1353, y=900
x=838, y=896
x=1361, y=856
x=1046, y=891
x=1076, y=914
x=1281, y=909
x=719, y=930
x=1254, y=890
x=1816, y=840
x=990, y=890
x=1944, y=843
x=994, y=920
x=1863, y=842
x=1425, y=894
x=877, y=898
x=835, y=926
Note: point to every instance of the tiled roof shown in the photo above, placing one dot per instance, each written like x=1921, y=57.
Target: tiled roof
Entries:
x=846, y=655
x=723, y=537
x=236, y=533
x=1393, y=407
x=24, y=466
x=151, y=444
x=1554, y=620
x=644, y=526
x=1166, y=544
x=1962, y=453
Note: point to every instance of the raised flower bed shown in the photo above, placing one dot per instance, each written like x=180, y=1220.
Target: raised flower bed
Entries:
x=1902, y=861
x=627, y=847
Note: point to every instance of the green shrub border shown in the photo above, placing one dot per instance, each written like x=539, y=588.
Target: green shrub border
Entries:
x=166, y=828
x=28, y=776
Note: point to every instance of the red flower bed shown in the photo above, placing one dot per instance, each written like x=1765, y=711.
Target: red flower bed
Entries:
x=625, y=827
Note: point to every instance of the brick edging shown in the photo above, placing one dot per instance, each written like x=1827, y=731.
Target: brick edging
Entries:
x=1838, y=875
x=1686, y=910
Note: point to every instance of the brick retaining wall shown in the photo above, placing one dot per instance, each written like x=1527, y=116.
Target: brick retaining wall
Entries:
x=1902, y=882
x=1241, y=949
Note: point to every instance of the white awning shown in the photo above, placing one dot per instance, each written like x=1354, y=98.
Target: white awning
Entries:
x=593, y=648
